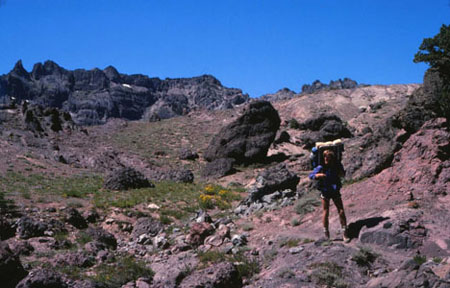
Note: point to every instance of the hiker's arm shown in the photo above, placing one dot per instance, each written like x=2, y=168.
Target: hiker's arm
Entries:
x=315, y=174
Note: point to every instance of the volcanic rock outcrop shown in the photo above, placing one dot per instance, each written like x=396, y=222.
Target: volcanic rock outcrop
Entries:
x=93, y=96
x=248, y=138
x=347, y=83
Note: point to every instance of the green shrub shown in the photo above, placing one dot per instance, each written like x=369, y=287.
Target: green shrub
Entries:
x=126, y=269
x=307, y=203
x=328, y=273
x=419, y=259
x=293, y=124
x=364, y=257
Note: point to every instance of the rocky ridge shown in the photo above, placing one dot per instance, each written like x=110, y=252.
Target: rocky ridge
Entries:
x=93, y=96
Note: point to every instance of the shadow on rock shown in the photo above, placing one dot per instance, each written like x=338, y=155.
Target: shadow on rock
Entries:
x=355, y=227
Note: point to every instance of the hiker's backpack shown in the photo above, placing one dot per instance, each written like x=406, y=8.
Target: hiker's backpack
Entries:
x=316, y=156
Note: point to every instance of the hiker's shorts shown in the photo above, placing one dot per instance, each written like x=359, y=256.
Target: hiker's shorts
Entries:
x=327, y=195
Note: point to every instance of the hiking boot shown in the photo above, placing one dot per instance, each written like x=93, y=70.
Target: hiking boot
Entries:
x=345, y=236
x=326, y=233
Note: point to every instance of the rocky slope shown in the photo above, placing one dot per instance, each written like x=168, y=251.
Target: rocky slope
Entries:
x=68, y=226
x=93, y=96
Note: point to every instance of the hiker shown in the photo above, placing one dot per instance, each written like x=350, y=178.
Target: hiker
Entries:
x=329, y=184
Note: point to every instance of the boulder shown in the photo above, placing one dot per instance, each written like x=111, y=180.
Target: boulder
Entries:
x=146, y=225
x=42, y=278
x=248, y=138
x=187, y=154
x=6, y=228
x=11, y=270
x=126, y=178
x=21, y=248
x=273, y=179
x=282, y=137
x=199, y=232
x=220, y=275
x=75, y=259
x=28, y=227
x=324, y=127
x=218, y=168
x=102, y=236
x=74, y=218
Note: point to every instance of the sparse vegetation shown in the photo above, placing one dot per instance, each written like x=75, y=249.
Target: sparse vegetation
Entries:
x=78, y=186
x=289, y=242
x=285, y=273
x=246, y=266
x=420, y=259
x=293, y=124
x=217, y=196
x=328, y=273
x=364, y=256
x=307, y=203
x=295, y=221
x=125, y=269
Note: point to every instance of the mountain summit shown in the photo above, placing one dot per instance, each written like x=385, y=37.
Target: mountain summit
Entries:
x=93, y=96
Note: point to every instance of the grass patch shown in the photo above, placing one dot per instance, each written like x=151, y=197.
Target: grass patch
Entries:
x=126, y=269
x=246, y=266
x=419, y=259
x=307, y=203
x=289, y=242
x=285, y=273
x=328, y=273
x=248, y=226
x=177, y=200
x=211, y=256
x=437, y=260
x=78, y=186
x=364, y=257
x=295, y=222
x=83, y=238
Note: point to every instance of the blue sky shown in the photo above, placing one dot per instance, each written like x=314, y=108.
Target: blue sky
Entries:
x=259, y=46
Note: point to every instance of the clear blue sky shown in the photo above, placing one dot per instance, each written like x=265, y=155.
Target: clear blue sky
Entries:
x=257, y=45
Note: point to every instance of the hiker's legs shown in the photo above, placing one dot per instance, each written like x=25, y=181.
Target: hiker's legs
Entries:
x=340, y=207
x=326, y=212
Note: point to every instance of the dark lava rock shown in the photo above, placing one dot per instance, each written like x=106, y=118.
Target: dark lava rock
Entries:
x=126, y=178
x=221, y=275
x=91, y=216
x=11, y=270
x=282, y=137
x=146, y=225
x=21, y=248
x=218, y=168
x=324, y=127
x=76, y=259
x=102, y=236
x=187, y=154
x=6, y=228
x=176, y=175
x=282, y=94
x=93, y=96
x=248, y=138
x=273, y=179
x=74, y=218
x=316, y=86
x=199, y=232
x=41, y=119
x=28, y=227
x=423, y=104
x=42, y=278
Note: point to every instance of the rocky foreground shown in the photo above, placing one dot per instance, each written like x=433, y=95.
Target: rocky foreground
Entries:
x=222, y=198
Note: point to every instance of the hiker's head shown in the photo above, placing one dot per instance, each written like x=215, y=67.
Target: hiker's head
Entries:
x=328, y=157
